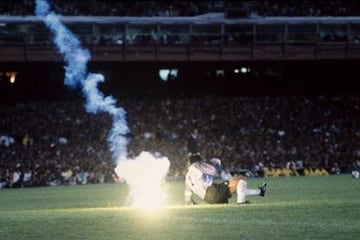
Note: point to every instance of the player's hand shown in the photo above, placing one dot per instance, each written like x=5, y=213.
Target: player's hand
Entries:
x=191, y=202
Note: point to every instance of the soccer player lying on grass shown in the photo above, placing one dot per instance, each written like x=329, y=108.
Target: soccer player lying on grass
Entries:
x=199, y=180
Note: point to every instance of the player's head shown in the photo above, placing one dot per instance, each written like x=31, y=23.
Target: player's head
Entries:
x=194, y=158
x=216, y=163
x=194, y=133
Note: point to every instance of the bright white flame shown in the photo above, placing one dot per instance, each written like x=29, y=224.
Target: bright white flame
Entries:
x=146, y=175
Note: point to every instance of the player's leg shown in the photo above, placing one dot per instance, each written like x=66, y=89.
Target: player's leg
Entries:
x=188, y=196
x=242, y=191
x=233, y=183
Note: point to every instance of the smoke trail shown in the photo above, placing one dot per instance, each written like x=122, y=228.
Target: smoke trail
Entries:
x=76, y=59
x=145, y=173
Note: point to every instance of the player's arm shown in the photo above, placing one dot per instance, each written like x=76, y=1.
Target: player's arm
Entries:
x=188, y=191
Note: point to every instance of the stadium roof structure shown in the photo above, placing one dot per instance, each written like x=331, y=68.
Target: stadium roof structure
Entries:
x=208, y=18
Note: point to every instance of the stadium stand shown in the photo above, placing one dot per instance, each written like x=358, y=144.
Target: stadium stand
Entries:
x=57, y=141
x=50, y=143
x=249, y=8
x=185, y=30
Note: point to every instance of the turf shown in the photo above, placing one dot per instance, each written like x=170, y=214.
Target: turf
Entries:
x=294, y=208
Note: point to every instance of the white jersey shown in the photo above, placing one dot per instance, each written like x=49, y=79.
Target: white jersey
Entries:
x=198, y=178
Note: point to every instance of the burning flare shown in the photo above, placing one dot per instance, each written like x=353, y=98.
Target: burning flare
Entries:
x=146, y=173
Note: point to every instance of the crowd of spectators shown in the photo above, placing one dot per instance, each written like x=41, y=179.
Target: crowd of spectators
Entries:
x=186, y=8
x=114, y=8
x=305, y=8
x=151, y=37
x=53, y=143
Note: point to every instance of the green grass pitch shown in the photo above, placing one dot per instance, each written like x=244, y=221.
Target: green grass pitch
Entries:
x=294, y=208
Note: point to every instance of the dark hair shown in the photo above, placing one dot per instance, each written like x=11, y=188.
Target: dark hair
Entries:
x=194, y=158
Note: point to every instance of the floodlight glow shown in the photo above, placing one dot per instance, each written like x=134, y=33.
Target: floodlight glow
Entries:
x=243, y=70
x=164, y=73
x=174, y=73
x=220, y=73
x=12, y=76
